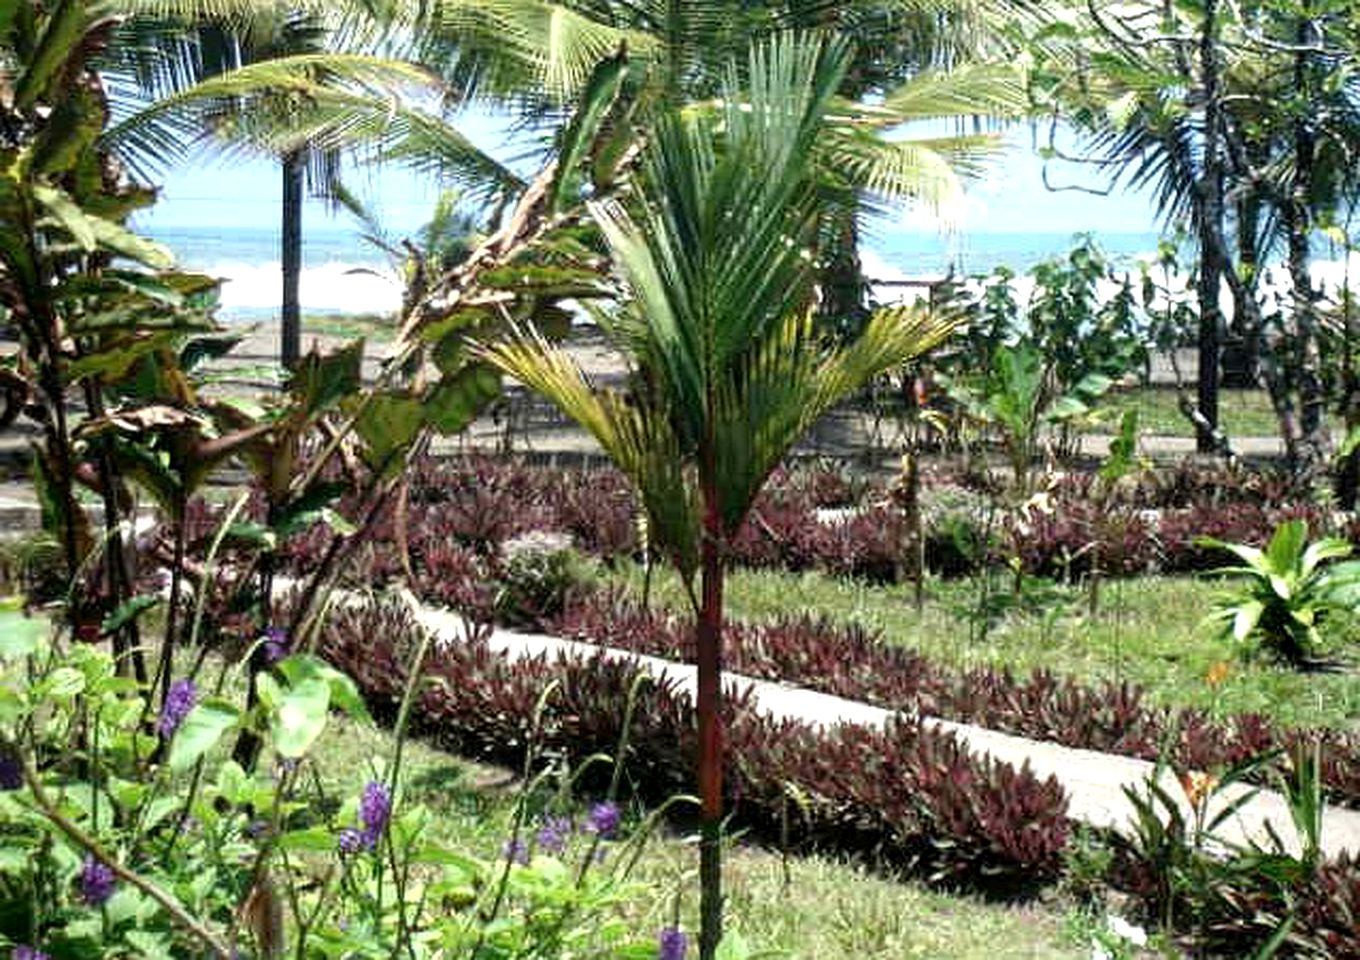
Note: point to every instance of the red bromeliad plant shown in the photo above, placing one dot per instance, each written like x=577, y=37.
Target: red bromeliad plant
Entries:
x=729, y=369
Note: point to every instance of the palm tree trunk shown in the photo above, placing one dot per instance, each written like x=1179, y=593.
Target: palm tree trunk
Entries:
x=708, y=641
x=1313, y=439
x=290, y=342
x=1211, y=267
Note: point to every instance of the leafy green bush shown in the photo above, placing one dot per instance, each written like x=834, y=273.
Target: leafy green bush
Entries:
x=132, y=835
x=1286, y=590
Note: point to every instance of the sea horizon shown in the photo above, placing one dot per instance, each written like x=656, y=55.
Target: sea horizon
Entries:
x=344, y=274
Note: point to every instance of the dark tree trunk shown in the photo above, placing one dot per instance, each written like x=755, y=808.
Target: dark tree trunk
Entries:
x=843, y=285
x=290, y=342
x=708, y=642
x=1210, y=227
x=1313, y=442
x=1240, y=353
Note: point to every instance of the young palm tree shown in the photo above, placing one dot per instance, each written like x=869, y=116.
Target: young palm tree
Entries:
x=728, y=368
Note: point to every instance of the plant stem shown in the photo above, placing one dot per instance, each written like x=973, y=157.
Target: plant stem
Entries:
x=708, y=642
x=172, y=906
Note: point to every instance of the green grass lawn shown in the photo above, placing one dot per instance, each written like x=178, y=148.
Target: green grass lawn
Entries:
x=1147, y=631
x=372, y=326
x=1242, y=413
x=804, y=907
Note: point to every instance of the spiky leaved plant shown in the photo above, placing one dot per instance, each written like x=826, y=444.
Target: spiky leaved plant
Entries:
x=728, y=368
x=1284, y=591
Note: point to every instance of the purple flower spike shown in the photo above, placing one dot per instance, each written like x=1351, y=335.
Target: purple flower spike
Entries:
x=552, y=836
x=516, y=851
x=11, y=771
x=671, y=944
x=276, y=645
x=97, y=882
x=24, y=952
x=179, y=700
x=349, y=842
x=603, y=819
x=375, y=809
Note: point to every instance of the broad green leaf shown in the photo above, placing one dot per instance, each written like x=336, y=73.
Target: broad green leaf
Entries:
x=317, y=839
x=301, y=717
x=117, y=239
x=21, y=635
x=1245, y=619
x=387, y=425
x=63, y=682
x=1066, y=408
x=1286, y=546
x=318, y=382
x=129, y=611
x=343, y=691
x=67, y=213
x=598, y=95
x=1328, y=548
x=200, y=731
x=459, y=397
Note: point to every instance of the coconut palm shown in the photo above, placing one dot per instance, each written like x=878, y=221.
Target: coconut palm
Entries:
x=302, y=82
x=728, y=368
x=912, y=60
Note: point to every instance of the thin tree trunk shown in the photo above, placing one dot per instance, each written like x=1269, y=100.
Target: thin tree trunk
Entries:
x=843, y=281
x=1210, y=227
x=1313, y=440
x=708, y=642
x=290, y=343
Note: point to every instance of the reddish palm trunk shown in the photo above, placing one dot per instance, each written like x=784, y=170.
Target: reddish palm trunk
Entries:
x=708, y=640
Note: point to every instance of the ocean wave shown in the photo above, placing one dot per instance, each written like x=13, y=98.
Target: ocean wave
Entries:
x=335, y=287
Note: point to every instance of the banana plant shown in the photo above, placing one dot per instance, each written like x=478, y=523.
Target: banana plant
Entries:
x=1016, y=397
x=1286, y=591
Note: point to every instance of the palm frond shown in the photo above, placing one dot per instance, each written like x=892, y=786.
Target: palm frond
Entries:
x=636, y=438
x=991, y=90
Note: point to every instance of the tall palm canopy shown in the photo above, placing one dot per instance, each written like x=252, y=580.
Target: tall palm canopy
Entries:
x=728, y=369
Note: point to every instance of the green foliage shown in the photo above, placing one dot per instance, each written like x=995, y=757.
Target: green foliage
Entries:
x=1286, y=591
x=210, y=853
x=1029, y=369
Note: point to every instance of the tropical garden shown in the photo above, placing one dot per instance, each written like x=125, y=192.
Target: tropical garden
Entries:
x=304, y=670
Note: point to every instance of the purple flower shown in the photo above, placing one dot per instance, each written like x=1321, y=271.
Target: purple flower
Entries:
x=276, y=645
x=24, y=952
x=516, y=851
x=552, y=836
x=179, y=700
x=671, y=944
x=97, y=882
x=375, y=809
x=350, y=841
x=11, y=771
x=603, y=819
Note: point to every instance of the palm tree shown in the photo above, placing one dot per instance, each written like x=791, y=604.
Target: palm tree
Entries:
x=728, y=367
x=910, y=61
x=302, y=82
x=1232, y=118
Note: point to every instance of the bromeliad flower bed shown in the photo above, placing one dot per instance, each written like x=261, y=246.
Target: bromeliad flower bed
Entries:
x=906, y=796
x=909, y=795
x=851, y=662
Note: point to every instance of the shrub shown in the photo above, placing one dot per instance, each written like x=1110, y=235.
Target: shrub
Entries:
x=1286, y=590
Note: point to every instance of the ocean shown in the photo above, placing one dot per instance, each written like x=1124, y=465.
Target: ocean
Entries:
x=342, y=273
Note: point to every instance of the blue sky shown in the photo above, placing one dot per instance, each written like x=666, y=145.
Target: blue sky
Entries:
x=1012, y=198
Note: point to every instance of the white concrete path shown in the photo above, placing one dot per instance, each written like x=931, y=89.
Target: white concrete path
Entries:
x=1093, y=781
